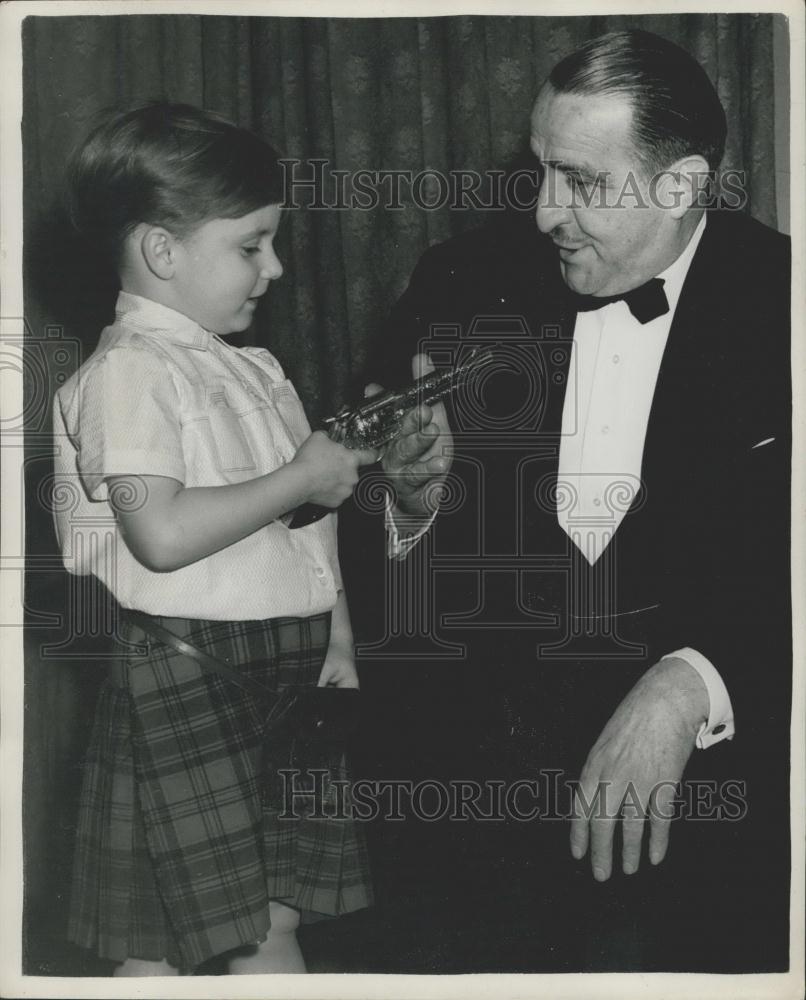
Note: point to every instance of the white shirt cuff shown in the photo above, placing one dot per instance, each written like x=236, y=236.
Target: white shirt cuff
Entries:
x=719, y=725
x=398, y=546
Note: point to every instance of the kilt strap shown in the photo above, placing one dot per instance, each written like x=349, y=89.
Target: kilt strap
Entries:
x=209, y=664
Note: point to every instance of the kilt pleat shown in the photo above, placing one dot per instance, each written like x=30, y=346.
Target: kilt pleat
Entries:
x=182, y=838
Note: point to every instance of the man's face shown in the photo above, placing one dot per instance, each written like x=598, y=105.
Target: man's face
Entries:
x=610, y=239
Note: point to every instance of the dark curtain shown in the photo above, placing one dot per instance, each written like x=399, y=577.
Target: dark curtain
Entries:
x=380, y=94
x=443, y=94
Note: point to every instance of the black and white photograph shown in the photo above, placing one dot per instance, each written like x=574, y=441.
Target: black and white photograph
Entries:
x=402, y=499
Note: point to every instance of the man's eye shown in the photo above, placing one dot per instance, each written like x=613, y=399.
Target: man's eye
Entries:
x=583, y=183
x=248, y=251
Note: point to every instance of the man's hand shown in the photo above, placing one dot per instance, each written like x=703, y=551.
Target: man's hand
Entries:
x=416, y=461
x=635, y=766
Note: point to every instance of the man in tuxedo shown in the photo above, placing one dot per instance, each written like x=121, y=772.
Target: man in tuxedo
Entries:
x=616, y=565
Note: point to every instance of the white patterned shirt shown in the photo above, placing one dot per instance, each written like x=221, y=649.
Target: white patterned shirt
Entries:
x=161, y=396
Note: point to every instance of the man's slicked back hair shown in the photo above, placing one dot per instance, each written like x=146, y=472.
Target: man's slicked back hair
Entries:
x=676, y=109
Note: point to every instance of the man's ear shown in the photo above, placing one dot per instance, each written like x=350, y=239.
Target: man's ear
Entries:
x=690, y=180
x=158, y=249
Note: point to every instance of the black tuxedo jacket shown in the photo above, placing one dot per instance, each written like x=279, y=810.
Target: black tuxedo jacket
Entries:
x=702, y=557
x=550, y=645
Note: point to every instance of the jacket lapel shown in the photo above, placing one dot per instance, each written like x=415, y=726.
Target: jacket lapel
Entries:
x=680, y=411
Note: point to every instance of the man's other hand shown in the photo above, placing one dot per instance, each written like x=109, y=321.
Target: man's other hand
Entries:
x=635, y=766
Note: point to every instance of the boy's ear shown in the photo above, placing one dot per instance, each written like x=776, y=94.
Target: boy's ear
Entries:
x=158, y=249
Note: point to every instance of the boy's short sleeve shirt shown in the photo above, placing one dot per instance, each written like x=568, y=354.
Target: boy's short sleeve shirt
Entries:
x=126, y=417
x=162, y=397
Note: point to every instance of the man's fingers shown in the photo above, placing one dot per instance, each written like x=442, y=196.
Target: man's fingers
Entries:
x=586, y=804
x=416, y=473
x=660, y=818
x=416, y=420
x=437, y=465
x=658, y=839
x=594, y=825
x=420, y=453
x=632, y=832
x=579, y=830
x=372, y=389
x=421, y=365
x=412, y=447
x=601, y=840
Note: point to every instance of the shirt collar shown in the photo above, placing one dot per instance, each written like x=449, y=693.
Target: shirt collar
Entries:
x=675, y=274
x=149, y=317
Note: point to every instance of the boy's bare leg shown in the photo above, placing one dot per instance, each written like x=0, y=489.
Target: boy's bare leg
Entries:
x=280, y=951
x=142, y=967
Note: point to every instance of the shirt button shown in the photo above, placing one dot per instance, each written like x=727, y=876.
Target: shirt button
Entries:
x=319, y=572
x=616, y=358
x=606, y=429
x=597, y=502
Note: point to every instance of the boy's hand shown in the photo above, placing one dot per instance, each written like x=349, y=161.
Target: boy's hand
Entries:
x=331, y=469
x=339, y=670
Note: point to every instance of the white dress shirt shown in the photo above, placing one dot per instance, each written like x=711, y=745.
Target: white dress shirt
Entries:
x=615, y=362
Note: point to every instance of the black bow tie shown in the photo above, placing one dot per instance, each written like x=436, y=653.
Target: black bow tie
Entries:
x=645, y=303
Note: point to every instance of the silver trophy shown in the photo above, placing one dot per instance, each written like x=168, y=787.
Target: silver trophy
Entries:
x=377, y=420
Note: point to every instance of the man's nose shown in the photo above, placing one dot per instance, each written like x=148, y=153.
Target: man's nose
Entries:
x=553, y=201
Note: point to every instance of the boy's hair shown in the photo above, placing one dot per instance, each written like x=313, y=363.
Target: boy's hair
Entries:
x=171, y=165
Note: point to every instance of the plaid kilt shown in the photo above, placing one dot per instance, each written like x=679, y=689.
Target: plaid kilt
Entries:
x=182, y=836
